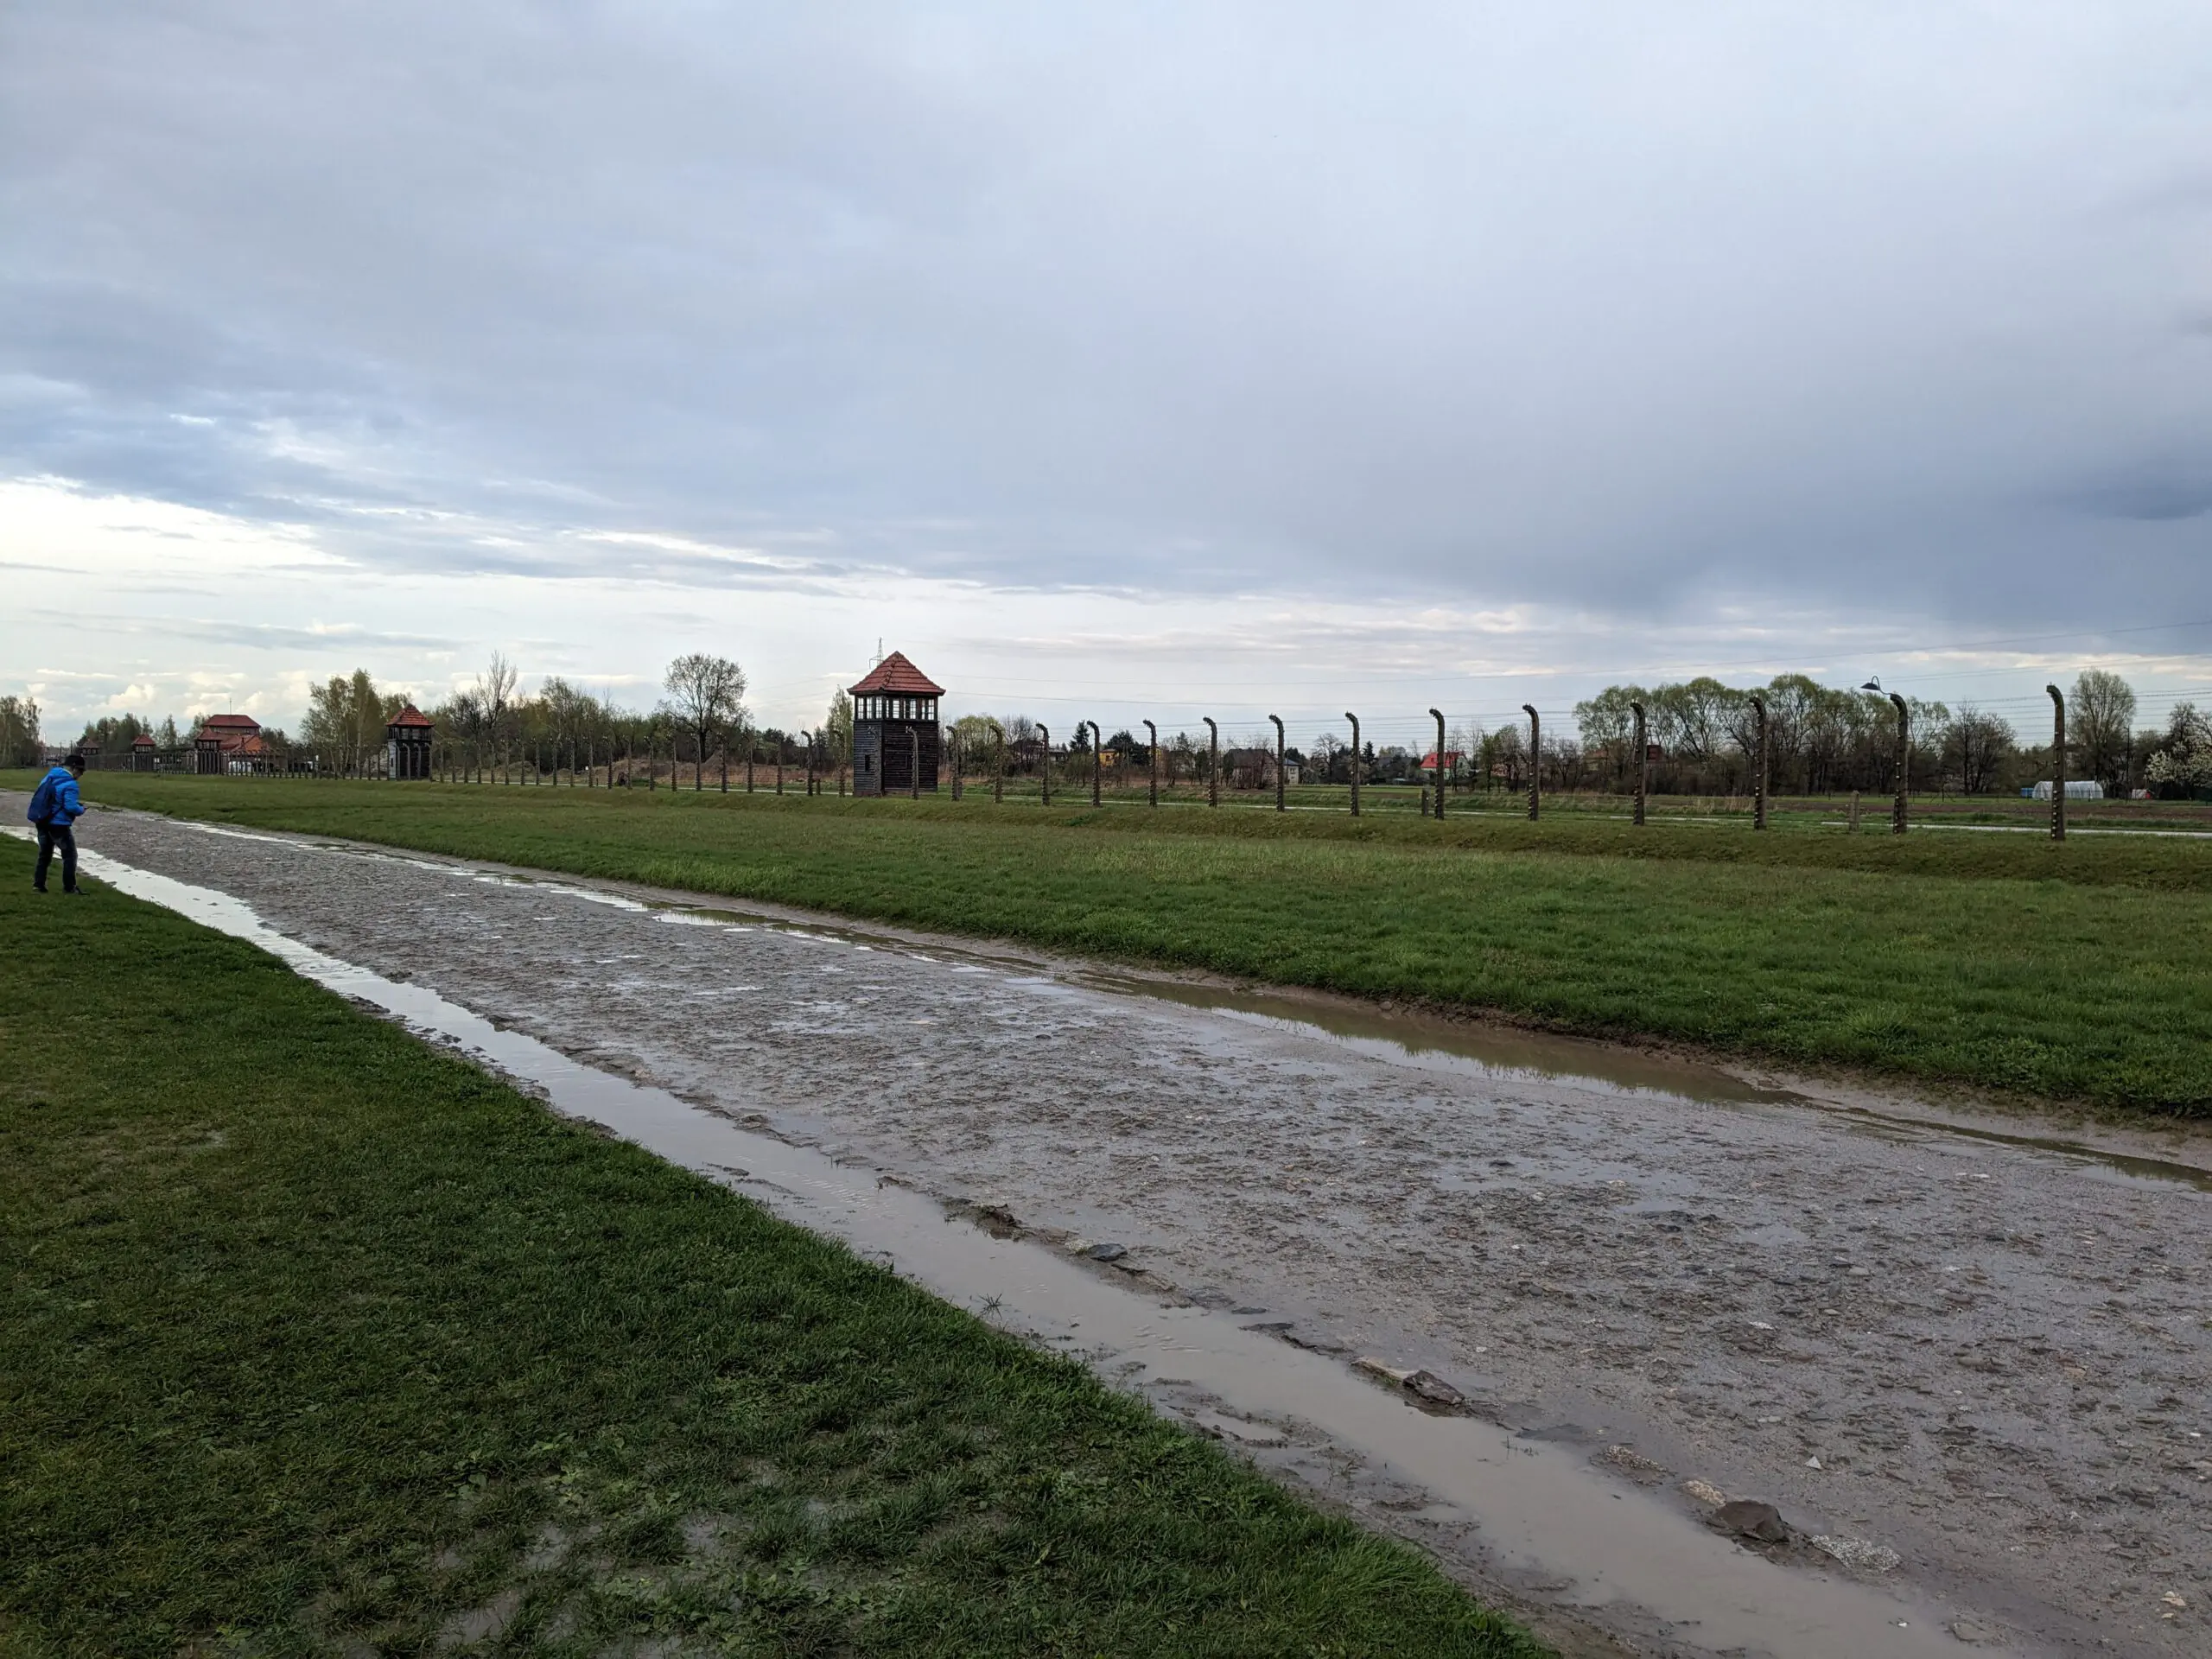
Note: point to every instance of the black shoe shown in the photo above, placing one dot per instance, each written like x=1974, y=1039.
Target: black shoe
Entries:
x=72, y=892
x=37, y=887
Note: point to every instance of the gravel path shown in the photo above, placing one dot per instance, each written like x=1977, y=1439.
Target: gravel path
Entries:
x=1991, y=1359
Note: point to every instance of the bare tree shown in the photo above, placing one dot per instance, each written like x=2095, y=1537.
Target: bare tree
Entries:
x=2100, y=726
x=1975, y=747
x=706, y=696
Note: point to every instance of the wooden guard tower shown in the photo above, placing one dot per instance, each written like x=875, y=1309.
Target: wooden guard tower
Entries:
x=407, y=744
x=894, y=718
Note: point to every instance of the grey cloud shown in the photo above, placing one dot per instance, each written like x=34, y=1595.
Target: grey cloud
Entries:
x=1592, y=305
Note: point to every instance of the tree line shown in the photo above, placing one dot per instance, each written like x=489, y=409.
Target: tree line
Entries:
x=1700, y=732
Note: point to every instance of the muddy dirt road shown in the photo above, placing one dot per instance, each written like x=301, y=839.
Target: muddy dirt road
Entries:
x=1980, y=1370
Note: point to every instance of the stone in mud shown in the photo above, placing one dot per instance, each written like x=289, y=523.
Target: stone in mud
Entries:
x=1858, y=1554
x=1747, y=1517
x=1425, y=1386
x=1107, y=1252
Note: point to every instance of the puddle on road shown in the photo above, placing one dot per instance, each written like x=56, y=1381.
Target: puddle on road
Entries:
x=1545, y=1521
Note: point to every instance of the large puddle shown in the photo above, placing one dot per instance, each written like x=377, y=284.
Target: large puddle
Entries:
x=1548, y=1525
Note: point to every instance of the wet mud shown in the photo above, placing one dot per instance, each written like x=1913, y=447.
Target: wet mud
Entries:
x=1969, y=1367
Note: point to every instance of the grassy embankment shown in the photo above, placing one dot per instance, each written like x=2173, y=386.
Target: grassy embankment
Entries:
x=311, y=1337
x=2075, y=972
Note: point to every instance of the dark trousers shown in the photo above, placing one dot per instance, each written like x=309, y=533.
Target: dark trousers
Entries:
x=51, y=835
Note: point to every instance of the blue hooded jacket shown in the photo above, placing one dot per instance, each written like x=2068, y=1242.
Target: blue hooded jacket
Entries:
x=56, y=801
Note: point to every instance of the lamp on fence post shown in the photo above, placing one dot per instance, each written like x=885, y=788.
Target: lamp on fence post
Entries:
x=1642, y=761
x=1044, y=763
x=1439, y=715
x=1213, y=761
x=1151, y=755
x=1355, y=762
x=1535, y=760
x=2057, y=763
x=1278, y=772
x=1097, y=757
x=1758, y=764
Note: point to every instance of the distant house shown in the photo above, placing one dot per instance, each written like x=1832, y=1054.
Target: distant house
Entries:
x=1454, y=762
x=1255, y=769
x=227, y=743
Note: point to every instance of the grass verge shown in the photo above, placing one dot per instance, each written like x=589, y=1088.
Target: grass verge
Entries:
x=2074, y=972
x=311, y=1337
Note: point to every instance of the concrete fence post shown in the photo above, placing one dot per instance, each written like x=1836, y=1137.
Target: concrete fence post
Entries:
x=998, y=774
x=1097, y=759
x=913, y=763
x=1438, y=715
x=2057, y=763
x=1904, y=763
x=952, y=742
x=1213, y=761
x=810, y=763
x=1642, y=761
x=1152, y=756
x=1354, y=719
x=1279, y=761
x=1044, y=762
x=1535, y=760
x=1759, y=763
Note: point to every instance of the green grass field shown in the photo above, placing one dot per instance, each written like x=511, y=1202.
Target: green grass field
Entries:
x=2075, y=973
x=315, y=1340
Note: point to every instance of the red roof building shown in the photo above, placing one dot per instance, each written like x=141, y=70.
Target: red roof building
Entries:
x=407, y=737
x=896, y=741
x=228, y=743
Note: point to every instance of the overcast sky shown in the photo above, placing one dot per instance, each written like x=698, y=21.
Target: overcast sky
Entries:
x=1137, y=359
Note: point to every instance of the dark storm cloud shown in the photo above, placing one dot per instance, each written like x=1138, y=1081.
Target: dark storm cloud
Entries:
x=1603, y=305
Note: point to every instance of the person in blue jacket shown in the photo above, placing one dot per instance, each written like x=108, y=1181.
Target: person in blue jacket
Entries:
x=55, y=807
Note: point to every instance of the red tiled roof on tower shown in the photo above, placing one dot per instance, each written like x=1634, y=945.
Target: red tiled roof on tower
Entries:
x=897, y=677
x=143, y=740
x=230, y=723
x=411, y=716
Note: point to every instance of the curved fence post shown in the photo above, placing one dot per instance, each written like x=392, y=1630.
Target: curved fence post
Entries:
x=1438, y=715
x=1213, y=761
x=1355, y=762
x=913, y=764
x=1758, y=764
x=1278, y=772
x=952, y=743
x=1151, y=755
x=2057, y=763
x=1905, y=761
x=998, y=776
x=1044, y=761
x=1097, y=758
x=1642, y=761
x=1535, y=760
x=810, y=763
